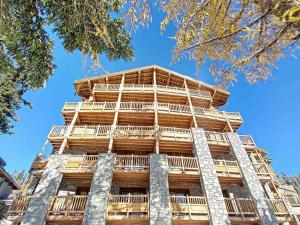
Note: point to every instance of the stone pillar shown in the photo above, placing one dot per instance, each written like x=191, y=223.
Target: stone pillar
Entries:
x=209, y=180
x=32, y=184
x=46, y=189
x=95, y=212
x=265, y=213
x=160, y=211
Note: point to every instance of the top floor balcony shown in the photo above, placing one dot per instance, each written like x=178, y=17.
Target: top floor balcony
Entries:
x=139, y=92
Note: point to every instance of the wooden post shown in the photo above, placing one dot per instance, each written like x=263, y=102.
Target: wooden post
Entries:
x=156, y=113
x=190, y=103
x=69, y=129
x=228, y=122
x=114, y=125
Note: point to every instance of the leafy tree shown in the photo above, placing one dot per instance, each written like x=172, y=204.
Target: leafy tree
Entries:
x=93, y=27
x=246, y=36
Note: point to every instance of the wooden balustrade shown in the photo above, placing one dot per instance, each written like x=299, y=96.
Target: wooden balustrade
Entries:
x=228, y=168
x=179, y=134
x=19, y=206
x=130, y=163
x=180, y=164
x=58, y=131
x=106, y=87
x=90, y=131
x=80, y=163
x=216, y=138
x=247, y=141
x=294, y=200
x=188, y=207
x=176, y=108
x=67, y=208
x=218, y=115
x=261, y=170
x=241, y=208
x=279, y=207
x=128, y=207
x=134, y=132
x=137, y=106
x=198, y=93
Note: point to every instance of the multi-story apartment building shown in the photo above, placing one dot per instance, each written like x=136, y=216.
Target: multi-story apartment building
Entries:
x=150, y=146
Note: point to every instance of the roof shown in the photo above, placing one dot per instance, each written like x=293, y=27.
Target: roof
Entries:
x=9, y=179
x=84, y=86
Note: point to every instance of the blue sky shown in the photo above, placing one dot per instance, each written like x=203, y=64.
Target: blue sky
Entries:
x=270, y=109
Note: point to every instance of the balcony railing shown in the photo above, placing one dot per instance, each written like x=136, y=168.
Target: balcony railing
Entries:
x=294, y=200
x=188, y=207
x=241, y=208
x=247, y=141
x=177, y=134
x=261, y=170
x=217, y=138
x=175, y=108
x=228, y=168
x=134, y=132
x=81, y=163
x=128, y=207
x=131, y=163
x=279, y=207
x=19, y=206
x=186, y=165
x=149, y=87
x=67, y=208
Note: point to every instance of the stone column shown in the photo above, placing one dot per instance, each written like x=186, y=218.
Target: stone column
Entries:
x=95, y=212
x=265, y=213
x=160, y=211
x=32, y=184
x=209, y=180
x=46, y=189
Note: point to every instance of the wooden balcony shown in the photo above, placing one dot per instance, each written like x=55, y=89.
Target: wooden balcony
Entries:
x=18, y=208
x=128, y=209
x=167, y=94
x=67, y=209
x=38, y=166
x=247, y=141
x=189, y=210
x=241, y=210
x=262, y=171
x=280, y=209
x=228, y=171
x=131, y=167
x=80, y=166
x=295, y=203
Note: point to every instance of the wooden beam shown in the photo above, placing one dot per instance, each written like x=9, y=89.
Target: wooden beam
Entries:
x=156, y=113
x=190, y=103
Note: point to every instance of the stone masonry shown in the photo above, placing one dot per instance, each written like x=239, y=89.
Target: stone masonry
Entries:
x=95, y=212
x=266, y=215
x=46, y=189
x=160, y=212
x=209, y=180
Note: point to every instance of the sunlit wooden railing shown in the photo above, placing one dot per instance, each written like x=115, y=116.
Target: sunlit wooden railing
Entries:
x=226, y=167
x=188, y=207
x=90, y=131
x=81, y=163
x=58, y=131
x=128, y=206
x=216, y=138
x=134, y=132
x=19, y=206
x=240, y=207
x=67, y=206
x=131, y=163
x=261, y=170
x=137, y=106
x=180, y=164
x=247, y=140
x=39, y=164
x=173, y=108
x=279, y=207
x=150, y=87
x=218, y=115
x=294, y=200
x=177, y=134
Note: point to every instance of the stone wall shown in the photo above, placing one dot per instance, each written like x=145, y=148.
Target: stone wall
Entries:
x=95, y=212
x=46, y=189
x=209, y=179
x=160, y=212
x=252, y=182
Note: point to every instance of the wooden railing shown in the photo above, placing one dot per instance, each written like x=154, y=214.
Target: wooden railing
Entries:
x=134, y=132
x=137, y=106
x=106, y=87
x=130, y=163
x=294, y=200
x=226, y=167
x=179, y=134
x=166, y=107
x=169, y=89
x=261, y=170
x=188, y=207
x=216, y=138
x=81, y=163
x=58, y=131
x=218, y=115
x=19, y=206
x=128, y=206
x=67, y=206
x=240, y=207
x=247, y=140
x=179, y=164
x=279, y=207
x=90, y=131
x=39, y=164
x=138, y=87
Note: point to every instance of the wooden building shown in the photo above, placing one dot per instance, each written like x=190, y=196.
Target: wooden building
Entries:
x=150, y=146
